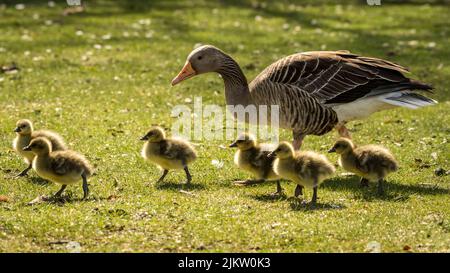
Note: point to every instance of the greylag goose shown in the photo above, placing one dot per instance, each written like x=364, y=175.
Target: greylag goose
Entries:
x=25, y=133
x=62, y=167
x=252, y=157
x=315, y=91
x=370, y=162
x=167, y=153
x=305, y=168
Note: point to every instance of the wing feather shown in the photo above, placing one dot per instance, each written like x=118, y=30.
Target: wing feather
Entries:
x=339, y=76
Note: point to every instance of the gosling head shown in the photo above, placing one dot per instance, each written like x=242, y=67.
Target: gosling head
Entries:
x=244, y=142
x=284, y=150
x=201, y=60
x=24, y=127
x=39, y=146
x=155, y=134
x=342, y=145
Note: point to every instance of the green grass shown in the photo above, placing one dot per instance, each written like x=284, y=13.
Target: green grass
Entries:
x=103, y=102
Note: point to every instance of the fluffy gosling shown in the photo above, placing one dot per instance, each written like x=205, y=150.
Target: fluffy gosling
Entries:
x=25, y=133
x=370, y=162
x=62, y=167
x=305, y=168
x=167, y=153
x=252, y=157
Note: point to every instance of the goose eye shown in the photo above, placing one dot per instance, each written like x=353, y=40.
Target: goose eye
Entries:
x=199, y=57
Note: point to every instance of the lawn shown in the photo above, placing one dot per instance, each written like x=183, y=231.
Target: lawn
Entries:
x=101, y=78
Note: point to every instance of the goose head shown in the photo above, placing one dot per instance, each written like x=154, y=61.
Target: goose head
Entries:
x=39, y=146
x=201, y=60
x=244, y=142
x=342, y=145
x=284, y=150
x=24, y=127
x=155, y=134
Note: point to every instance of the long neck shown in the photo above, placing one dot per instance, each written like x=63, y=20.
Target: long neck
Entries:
x=236, y=86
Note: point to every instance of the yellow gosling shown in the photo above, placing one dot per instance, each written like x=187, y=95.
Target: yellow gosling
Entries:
x=25, y=133
x=370, y=162
x=61, y=167
x=167, y=153
x=305, y=168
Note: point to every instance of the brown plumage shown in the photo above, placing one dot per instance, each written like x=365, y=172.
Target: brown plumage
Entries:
x=167, y=153
x=370, y=162
x=254, y=158
x=305, y=168
x=24, y=135
x=62, y=167
x=315, y=91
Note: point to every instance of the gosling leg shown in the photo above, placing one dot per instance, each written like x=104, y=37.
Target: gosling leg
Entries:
x=58, y=194
x=188, y=175
x=161, y=179
x=314, y=198
x=380, y=187
x=279, y=188
x=85, y=187
x=364, y=182
x=24, y=172
x=298, y=190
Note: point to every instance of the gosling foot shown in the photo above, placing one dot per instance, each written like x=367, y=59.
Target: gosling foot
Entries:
x=364, y=183
x=248, y=182
x=279, y=192
x=380, y=189
x=24, y=172
x=161, y=179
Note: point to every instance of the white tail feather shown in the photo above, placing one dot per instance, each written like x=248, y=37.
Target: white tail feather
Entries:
x=408, y=99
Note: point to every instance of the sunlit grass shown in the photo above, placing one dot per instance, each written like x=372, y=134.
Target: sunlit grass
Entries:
x=102, y=77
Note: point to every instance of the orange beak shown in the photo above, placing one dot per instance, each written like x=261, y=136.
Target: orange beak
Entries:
x=185, y=73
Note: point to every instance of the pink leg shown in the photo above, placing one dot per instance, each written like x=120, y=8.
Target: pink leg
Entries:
x=298, y=140
x=343, y=131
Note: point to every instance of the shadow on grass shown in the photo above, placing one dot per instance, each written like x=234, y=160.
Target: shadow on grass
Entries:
x=38, y=181
x=268, y=197
x=394, y=192
x=179, y=186
x=297, y=204
x=66, y=198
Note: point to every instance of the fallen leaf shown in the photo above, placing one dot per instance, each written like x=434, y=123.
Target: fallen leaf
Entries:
x=373, y=247
x=187, y=192
x=217, y=163
x=4, y=198
x=38, y=200
x=73, y=247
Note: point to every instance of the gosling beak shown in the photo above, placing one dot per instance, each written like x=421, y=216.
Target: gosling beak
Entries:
x=144, y=138
x=185, y=73
x=332, y=150
x=17, y=130
x=27, y=148
x=233, y=145
x=272, y=154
